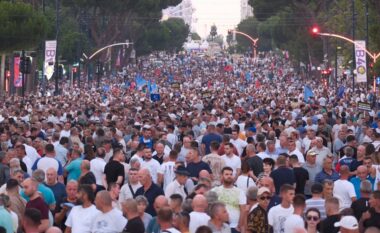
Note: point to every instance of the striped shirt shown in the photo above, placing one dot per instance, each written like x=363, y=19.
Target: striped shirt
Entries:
x=317, y=203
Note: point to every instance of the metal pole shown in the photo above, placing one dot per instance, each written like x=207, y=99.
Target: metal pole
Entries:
x=336, y=66
x=353, y=46
x=367, y=38
x=23, y=73
x=56, y=54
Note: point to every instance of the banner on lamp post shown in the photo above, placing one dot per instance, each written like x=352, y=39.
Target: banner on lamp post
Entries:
x=50, y=51
x=17, y=80
x=361, y=61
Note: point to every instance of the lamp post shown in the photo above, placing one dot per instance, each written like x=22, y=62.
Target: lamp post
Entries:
x=373, y=55
x=56, y=91
x=253, y=40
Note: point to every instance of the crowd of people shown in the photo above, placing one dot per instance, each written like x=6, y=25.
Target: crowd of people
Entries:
x=230, y=145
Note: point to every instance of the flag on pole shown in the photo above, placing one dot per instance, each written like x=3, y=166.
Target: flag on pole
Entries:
x=307, y=93
x=341, y=92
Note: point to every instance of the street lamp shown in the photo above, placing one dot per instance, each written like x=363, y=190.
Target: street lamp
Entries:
x=373, y=55
x=253, y=40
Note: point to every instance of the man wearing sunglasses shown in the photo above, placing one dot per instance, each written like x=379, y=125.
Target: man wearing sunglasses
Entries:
x=257, y=220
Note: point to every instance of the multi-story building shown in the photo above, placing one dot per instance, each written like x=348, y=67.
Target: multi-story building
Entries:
x=246, y=10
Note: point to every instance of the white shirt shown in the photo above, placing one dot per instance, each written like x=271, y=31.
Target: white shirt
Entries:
x=110, y=222
x=244, y=182
x=153, y=166
x=197, y=219
x=125, y=191
x=64, y=133
x=277, y=216
x=46, y=162
x=167, y=170
x=233, y=198
x=263, y=155
x=300, y=157
x=239, y=144
x=80, y=219
x=344, y=191
x=293, y=222
x=175, y=188
x=234, y=162
x=29, y=164
x=97, y=168
x=377, y=178
x=32, y=153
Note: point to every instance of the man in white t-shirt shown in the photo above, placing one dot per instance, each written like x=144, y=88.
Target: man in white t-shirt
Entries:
x=81, y=216
x=198, y=216
x=129, y=189
x=234, y=199
x=49, y=161
x=237, y=142
x=110, y=220
x=166, y=172
x=343, y=189
x=232, y=160
x=97, y=166
x=277, y=215
x=295, y=220
x=150, y=163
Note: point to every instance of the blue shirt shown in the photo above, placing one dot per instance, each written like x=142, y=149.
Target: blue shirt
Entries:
x=47, y=194
x=74, y=169
x=208, y=138
x=320, y=177
x=356, y=182
x=6, y=220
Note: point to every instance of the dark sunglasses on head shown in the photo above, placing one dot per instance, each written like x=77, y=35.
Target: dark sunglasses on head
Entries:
x=266, y=197
x=314, y=218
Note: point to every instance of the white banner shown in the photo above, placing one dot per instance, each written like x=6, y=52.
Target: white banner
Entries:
x=50, y=50
x=361, y=61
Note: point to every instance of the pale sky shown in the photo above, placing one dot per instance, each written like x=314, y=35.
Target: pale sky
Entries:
x=225, y=14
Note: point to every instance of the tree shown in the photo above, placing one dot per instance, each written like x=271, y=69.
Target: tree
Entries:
x=21, y=28
x=213, y=32
x=195, y=36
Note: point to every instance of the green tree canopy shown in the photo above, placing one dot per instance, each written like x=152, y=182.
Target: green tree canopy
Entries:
x=21, y=27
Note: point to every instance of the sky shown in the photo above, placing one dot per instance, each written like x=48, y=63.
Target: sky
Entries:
x=225, y=14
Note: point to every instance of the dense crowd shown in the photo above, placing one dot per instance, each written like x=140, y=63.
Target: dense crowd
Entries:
x=230, y=145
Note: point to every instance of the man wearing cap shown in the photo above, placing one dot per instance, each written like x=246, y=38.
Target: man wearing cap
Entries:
x=257, y=220
x=312, y=168
x=177, y=186
x=348, y=224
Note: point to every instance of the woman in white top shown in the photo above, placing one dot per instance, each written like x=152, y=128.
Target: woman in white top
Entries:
x=244, y=181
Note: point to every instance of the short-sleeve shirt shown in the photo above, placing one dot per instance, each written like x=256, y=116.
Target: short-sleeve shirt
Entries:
x=112, y=222
x=282, y=175
x=80, y=219
x=232, y=198
x=112, y=170
x=40, y=205
x=234, y=162
x=47, y=194
x=151, y=193
x=135, y=225
x=195, y=168
x=258, y=220
x=208, y=138
x=74, y=169
x=46, y=162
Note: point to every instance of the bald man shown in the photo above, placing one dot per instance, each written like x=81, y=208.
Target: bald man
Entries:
x=58, y=188
x=86, y=176
x=53, y=230
x=110, y=219
x=159, y=203
x=135, y=224
x=149, y=189
x=198, y=216
x=343, y=189
x=361, y=175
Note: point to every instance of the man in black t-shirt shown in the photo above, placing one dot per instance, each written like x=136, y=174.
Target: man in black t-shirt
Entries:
x=333, y=216
x=114, y=170
x=134, y=224
x=372, y=216
x=300, y=174
x=362, y=204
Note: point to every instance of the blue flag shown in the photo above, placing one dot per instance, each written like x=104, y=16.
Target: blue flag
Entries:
x=307, y=93
x=341, y=92
x=140, y=81
x=170, y=78
x=153, y=88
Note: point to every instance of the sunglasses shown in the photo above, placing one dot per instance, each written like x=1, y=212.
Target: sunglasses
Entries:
x=314, y=218
x=267, y=198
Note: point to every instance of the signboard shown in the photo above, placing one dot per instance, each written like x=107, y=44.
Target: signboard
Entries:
x=17, y=82
x=364, y=106
x=50, y=51
x=361, y=61
x=176, y=85
x=155, y=97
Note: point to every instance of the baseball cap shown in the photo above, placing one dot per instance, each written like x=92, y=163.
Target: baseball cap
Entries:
x=348, y=222
x=263, y=190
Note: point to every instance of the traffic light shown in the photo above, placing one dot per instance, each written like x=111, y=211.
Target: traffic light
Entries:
x=8, y=73
x=315, y=30
x=25, y=65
